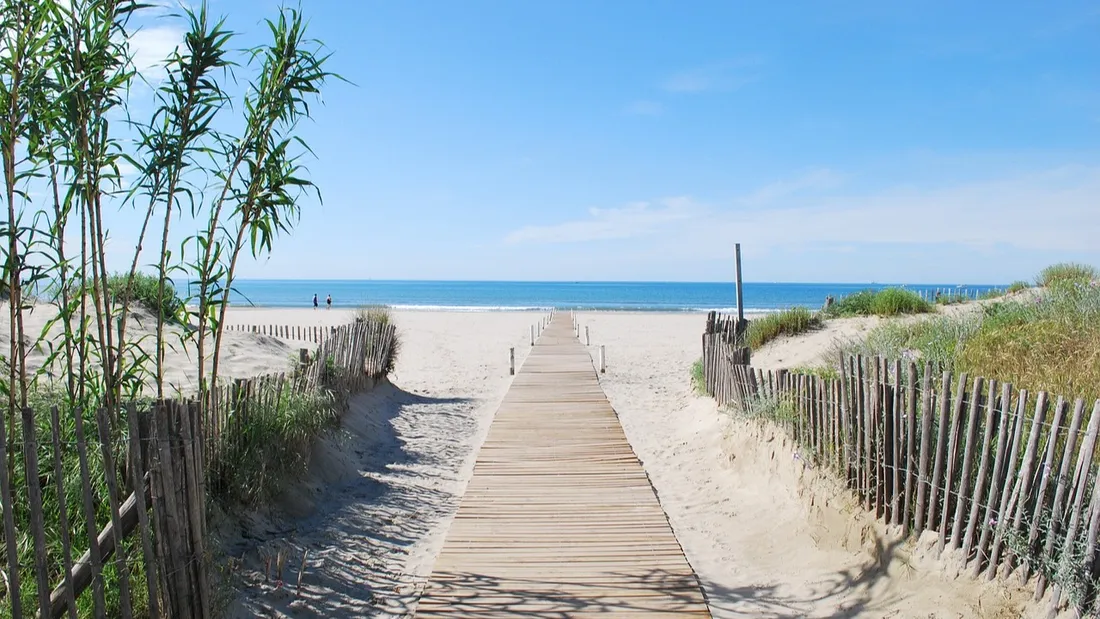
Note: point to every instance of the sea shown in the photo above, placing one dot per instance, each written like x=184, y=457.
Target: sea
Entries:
x=472, y=296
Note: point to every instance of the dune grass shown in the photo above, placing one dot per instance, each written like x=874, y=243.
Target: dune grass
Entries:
x=1050, y=343
x=698, y=381
x=787, y=322
x=951, y=299
x=145, y=291
x=273, y=448
x=1047, y=343
x=1067, y=273
x=1018, y=286
x=885, y=302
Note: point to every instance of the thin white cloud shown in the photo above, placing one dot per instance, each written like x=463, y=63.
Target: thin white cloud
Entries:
x=1048, y=210
x=151, y=47
x=645, y=108
x=817, y=179
x=630, y=221
x=728, y=75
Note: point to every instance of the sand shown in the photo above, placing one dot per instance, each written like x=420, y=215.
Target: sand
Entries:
x=244, y=355
x=767, y=536
x=378, y=501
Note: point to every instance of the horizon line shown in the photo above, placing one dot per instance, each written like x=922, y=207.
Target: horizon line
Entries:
x=608, y=281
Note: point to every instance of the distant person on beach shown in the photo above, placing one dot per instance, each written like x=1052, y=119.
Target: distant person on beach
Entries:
x=328, y=301
x=314, y=301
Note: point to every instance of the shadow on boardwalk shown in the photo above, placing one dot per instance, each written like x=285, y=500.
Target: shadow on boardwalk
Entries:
x=372, y=505
x=845, y=595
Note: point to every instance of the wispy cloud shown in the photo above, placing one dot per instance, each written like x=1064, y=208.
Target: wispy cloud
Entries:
x=645, y=108
x=1050, y=210
x=151, y=47
x=728, y=75
x=816, y=179
x=630, y=221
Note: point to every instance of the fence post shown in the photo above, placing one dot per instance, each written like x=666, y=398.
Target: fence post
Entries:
x=603, y=360
x=587, y=339
x=512, y=361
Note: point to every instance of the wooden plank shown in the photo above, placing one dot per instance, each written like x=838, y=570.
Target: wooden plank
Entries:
x=1077, y=516
x=1092, y=538
x=122, y=568
x=1027, y=467
x=559, y=504
x=910, y=443
x=63, y=515
x=889, y=443
x=34, y=500
x=866, y=430
x=954, y=438
x=897, y=446
x=195, y=501
x=941, y=451
x=137, y=483
x=966, y=467
x=95, y=558
x=998, y=480
x=879, y=436
x=1004, y=504
x=6, y=501
x=927, y=416
x=1058, y=507
x=83, y=573
x=1045, y=468
x=979, y=499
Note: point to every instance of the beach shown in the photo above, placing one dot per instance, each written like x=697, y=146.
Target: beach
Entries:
x=766, y=535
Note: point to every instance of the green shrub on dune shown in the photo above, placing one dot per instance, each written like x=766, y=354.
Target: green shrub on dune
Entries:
x=145, y=290
x=1067, y=274
x=787, y=322
x=1049, y=342
x=886, y=302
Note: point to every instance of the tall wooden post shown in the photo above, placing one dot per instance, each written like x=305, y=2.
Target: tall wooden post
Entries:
x=740, y=296
x=512, y=361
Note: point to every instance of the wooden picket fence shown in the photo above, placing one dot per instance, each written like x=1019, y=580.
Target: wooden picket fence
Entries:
x=1006, y=479
x=141, y=512
x=299, y=333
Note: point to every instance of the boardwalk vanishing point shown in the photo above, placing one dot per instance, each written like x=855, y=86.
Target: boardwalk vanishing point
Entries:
x=559, y=519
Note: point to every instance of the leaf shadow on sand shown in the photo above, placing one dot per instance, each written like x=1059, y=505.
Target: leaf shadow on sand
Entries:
x=374, y=499
x=846, y=594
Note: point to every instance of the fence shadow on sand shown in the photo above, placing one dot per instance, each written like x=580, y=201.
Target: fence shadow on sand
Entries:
x=375, y=494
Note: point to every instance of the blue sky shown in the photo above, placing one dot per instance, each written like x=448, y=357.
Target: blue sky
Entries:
x=622, y=140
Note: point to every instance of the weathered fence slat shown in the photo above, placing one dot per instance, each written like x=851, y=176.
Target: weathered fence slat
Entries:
x=998, y=480
x=34, y=499
x=93, y=574
x=69, y=598
x=122, y=568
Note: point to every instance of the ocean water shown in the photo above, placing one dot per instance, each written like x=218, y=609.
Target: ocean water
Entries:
x=490, y=296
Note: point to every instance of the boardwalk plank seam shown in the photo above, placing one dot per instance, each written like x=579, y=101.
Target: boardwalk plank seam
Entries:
x=560, y=519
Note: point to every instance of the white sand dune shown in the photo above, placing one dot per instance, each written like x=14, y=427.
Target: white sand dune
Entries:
x=243, y=355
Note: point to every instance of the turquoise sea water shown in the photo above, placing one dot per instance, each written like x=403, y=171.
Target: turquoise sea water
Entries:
x=488, y=296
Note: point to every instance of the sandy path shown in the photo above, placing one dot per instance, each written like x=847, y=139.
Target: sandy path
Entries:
x=376, y=507
x=740, y=501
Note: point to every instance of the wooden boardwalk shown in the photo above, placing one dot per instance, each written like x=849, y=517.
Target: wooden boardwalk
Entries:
x=559, y=519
